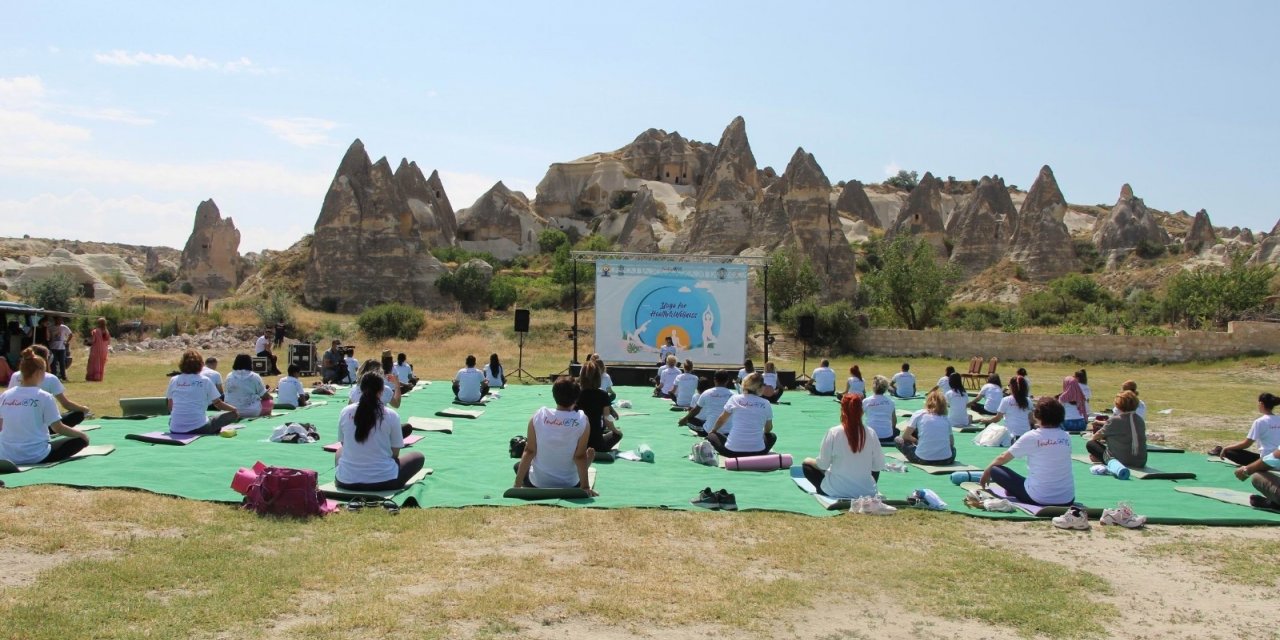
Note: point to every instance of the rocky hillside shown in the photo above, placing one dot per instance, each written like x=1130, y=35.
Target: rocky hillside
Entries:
x=100, y=268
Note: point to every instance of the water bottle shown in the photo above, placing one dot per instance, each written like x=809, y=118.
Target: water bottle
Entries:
x=895, y=467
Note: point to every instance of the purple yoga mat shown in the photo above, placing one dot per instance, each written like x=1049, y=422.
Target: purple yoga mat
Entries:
x=408, y=442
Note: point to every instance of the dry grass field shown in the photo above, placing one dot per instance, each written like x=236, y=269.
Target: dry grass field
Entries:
x=122, y=564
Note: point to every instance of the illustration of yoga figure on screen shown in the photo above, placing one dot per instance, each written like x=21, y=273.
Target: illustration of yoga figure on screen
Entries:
x=708, y=338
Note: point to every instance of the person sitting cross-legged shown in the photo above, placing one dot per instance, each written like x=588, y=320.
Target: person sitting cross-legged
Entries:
x=928, y=439
x=823, y=381
x=469, y=384
x=750, y=419
x=850, y=460
x=666, y=382
x=710, y=405
x=556, y=451
x=372, y=438
x=1048, y=452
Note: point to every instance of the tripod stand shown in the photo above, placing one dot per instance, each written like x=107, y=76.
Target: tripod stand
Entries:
x=804, y=363
x=520, y=373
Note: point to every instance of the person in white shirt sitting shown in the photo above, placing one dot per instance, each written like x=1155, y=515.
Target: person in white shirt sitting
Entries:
x=74, y=413
x=666, y=384
x=28, y=414
x=855, y=384
x=469, y=385
x=667, y=351
x=772, y=390
x=391, y=394
x=493, y=373
x=1014, y=410
x=945, y=380
x=903, y=384
x=880, y=411
x=289, y=393
x=371, y=457
x=404, y=373
x=850, y=460
x=823, y=381
x=710, y=405
x=750, y=419
x=262, y=347
x=353, y=367
x=245, y=389
x=989, y=396
x=928, y=439
x=556, y=451
x=189, y=395
x=957, y=401
x=747, y=369
x=685, y=386
x=1049, y=480
x=211, y=372
x=606, y=381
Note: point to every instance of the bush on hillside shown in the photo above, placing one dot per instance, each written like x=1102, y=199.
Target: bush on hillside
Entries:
x=791, y=279
x=835, y=325
x=468, y=285
x=392, y=320
x=277, y=307
x=115, y=315
x=55, y=293
x=906, y=180
x=911, y=283
x=550, y=239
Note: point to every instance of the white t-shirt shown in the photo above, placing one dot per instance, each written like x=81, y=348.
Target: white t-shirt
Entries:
x=369, y=461
x=748, y=413
x=878, y=413
x=261, y=344
x=191, y=394
x=213, y=376
x=387, y=394
x=469, y=387
x=991, y=396
x=557, y=433
x=743, y=373
x=770, y=379
x=1088, y=395
x=824, y=380
x=1266, y=432
x=957, y=408
x=933, y=435
x=711, y=405
x=855, y=385
x=904, y=384
x=288, y=390
x=27, y=413
x=666, y=350
x=244, y=392
x=849, y=473
x=667, y=377
x=606, y=382
x=353, y=367
x=58, y=336
x=1048, y=454
x=1016, y=419
x=50, y=383
x=1072, y=411
x=944, y=383
x=686, y=385
x=494, y=378
x=403, y=372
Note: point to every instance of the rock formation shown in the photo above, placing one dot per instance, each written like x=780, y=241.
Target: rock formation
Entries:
x=854, y=203
x=1246, y=236
x=922, y=214
x=638, y=224
x=1040, y=244
x=501, y=222
x=1268, y=251
x=1201, y=234
x=211, y=257
x=977, y=231
x=801, y=199
x=368, y=246
x=728, y=204
x=1128, y=226
x=429, y=203
x=662, y=157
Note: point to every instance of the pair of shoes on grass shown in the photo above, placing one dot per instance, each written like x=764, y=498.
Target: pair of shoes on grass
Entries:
x=1121, y=516
x=872, y=506
x=715, y=500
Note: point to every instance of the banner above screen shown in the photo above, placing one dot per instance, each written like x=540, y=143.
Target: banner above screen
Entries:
x=702, y=307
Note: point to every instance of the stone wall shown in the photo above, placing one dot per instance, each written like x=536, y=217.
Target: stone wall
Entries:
x=1241, y=338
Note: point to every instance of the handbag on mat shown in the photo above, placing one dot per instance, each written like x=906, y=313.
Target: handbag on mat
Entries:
x=282, y=491
x=995, y=435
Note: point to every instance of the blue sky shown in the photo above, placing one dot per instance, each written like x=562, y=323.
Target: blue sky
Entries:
x=116, y=119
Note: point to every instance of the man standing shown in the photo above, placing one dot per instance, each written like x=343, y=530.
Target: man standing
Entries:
x=279, y=341
x=59, y=338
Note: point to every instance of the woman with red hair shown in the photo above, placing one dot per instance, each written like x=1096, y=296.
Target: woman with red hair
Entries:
x=850, y=460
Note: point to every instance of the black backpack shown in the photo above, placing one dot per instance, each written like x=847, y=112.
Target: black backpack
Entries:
x=517, y=446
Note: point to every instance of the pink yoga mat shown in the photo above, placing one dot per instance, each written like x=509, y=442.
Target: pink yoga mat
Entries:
x=767, y=462
x=245, y=478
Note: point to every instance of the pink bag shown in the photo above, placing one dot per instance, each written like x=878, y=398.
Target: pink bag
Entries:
x=267, y=405
x=283, y=491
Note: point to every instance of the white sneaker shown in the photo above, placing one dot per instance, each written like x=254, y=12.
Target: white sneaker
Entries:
x=859, y=505
x=997, y=504
x=875, y=506
x=1123, y=516
x=1074, y=518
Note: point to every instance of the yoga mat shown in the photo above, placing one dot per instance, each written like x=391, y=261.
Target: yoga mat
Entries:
x=431, y=424
x=1229, y=496
x=1034, y=510
x=1144, y=473
x=144, y=406
x=87, y=427
x=568, y=493
x=96, y=450
x=969, y=429
x=165, y=437
x=607, y=456
x=766, y=462
x=1222, y=461
x=459, y=413
x=627, y=414
x=933, y=470
x=473, y=467
x=827, y=502
x=409, y=441
x=479, y=403
x=331, y=490
x=1159, y=448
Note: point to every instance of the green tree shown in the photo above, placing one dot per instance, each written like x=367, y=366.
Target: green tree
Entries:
x=910, y=282
x=1218, y=295
x=551, y=239
x=468, y=285
x=55, y=293
x=791, y=279
x=392, y=320
x=502, y=292
x=276, y=307
x=906, y=180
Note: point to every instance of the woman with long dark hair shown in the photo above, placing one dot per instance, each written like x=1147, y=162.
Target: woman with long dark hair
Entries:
x=493, y=373
x=370, y=458
x=1015, y=409
x=850, y=459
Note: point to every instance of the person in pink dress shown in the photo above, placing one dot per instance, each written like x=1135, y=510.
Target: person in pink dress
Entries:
x=100, y=339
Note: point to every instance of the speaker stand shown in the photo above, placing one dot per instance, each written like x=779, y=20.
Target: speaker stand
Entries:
x=804, y=363
x=520, y=373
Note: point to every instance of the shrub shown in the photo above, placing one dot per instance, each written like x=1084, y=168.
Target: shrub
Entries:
x=974, y=317
x=188, y=288
x=1065, y=299
x=55, y=293
x=392, y=320
x=275, y=308
x=115, y=315
x=912, y=284
x=835, y=325
x=622, y=199
x=906, y=180
x=468, y=285
x=502, y=292
x=1150, y=331
x=551, y=239
x=791, y=279
x=329, y=330
x=116, y=279
x=459, y=255
x=1088, y=254
x=1149, y=250
x=1218, y=295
